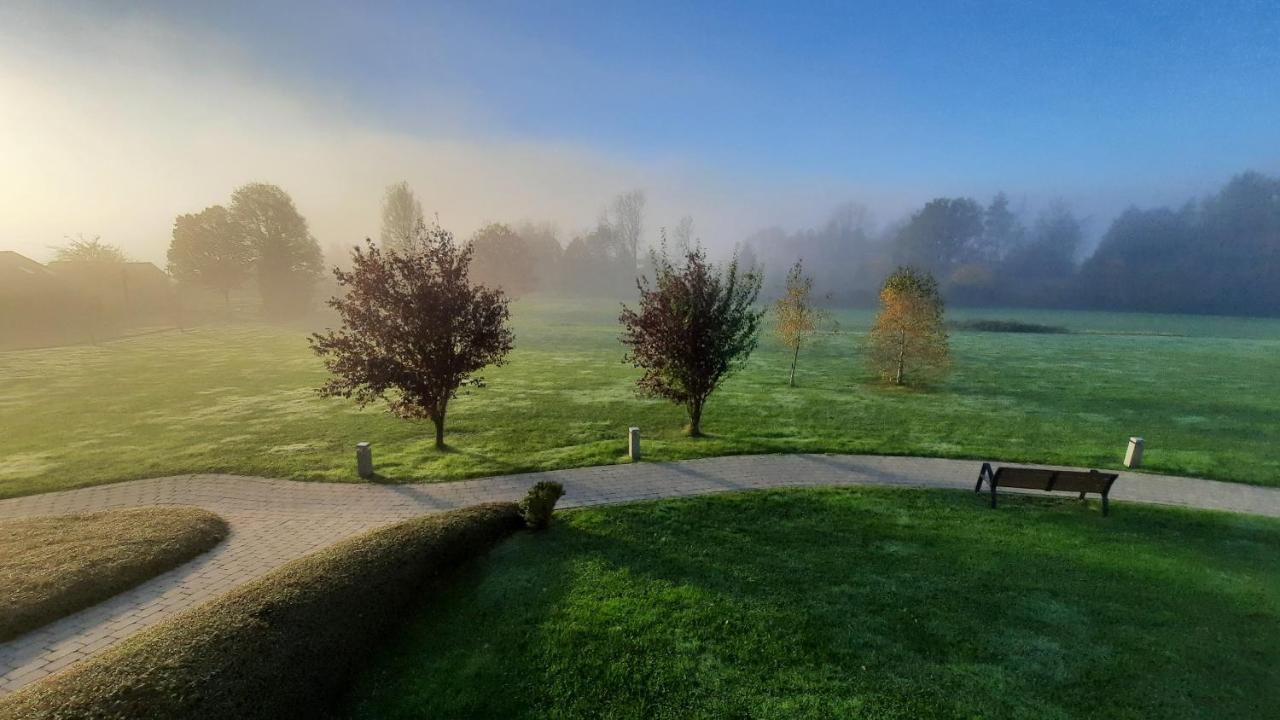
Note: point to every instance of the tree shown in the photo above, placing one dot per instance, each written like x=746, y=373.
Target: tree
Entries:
x=502, y=259
x=1045, y=263
x=1146, y=262
x=544, y=248
x=683, y=234
x=591, y=264
x=401, y=216
x=91, y=250
x=1002, y=231
x=694, y=325
x=414, y=328
x=1219, y=254
x=628, y=223
x=945, y=233
x=796, y=318
x=287, y=259
x=207, y=250
x=909, y=340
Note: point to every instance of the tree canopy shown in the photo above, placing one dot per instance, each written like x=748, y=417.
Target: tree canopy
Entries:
x=796, y=317
x=694, y=324
x=287, y=259
x=414, y=330
x=908, y=342
x=401, y=216
x=89, y=250
x=208, y=250
x=502, y=259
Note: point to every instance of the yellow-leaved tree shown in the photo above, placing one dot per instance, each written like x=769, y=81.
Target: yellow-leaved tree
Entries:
x=795, y=317
x=908, y=343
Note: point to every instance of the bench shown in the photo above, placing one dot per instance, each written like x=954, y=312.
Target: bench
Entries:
x=1081, y=481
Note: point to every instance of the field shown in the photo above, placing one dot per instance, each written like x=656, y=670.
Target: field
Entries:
x=239, y=398
x=852, y=603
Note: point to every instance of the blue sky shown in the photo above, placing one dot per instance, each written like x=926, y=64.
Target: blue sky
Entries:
x=1099, y=104
x=1029, y=92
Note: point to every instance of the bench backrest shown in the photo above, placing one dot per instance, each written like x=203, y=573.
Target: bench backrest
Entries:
x=1069, y=480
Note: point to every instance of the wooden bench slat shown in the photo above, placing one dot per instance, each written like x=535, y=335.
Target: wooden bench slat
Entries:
x=1029, y=478
x=1084, y=481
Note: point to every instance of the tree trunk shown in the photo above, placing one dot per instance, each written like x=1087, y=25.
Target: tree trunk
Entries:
x=795, y=357
x=439, y=423
x=695, y=418
x=438, y=418
x=902, y=353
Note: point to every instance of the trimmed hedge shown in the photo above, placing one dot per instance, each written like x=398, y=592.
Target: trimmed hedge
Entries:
x=1008, y=326
x=282, y=646
x=52, y=566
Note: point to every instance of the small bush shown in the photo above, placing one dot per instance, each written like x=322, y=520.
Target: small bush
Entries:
x=282, y=646
x=1008, y=326
x=538, y=505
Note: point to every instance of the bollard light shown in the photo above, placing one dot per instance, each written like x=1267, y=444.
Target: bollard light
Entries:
x=1133, y=456
x=364, y=460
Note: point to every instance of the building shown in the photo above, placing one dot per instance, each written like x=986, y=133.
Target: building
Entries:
x=75, y=302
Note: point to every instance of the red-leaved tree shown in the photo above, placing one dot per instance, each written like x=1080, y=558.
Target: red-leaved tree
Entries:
x=695, y=324
x=414, y=328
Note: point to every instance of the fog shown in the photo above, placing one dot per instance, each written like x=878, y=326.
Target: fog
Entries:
x=115, y=121
x=113, y=126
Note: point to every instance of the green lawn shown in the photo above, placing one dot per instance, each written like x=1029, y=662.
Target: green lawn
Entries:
x=1205, y=392
x=871, y=603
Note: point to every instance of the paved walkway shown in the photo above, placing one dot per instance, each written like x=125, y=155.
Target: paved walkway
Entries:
x=274, y=521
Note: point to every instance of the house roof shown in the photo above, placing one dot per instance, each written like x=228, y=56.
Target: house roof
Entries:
x=22, y=275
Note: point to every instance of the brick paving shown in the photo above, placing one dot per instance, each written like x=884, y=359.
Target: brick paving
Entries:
x=274, y=521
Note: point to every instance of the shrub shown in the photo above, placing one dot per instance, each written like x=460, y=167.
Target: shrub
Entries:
x=1009, y=326
x=282, y=646
x=538, y=505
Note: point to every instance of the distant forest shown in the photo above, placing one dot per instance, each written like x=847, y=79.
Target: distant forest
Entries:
x=1219, y=254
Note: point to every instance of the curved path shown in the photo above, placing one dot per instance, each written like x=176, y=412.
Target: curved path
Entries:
x=274, y=521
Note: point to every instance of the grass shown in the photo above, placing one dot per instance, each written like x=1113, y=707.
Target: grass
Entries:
x=53, y=566
x=240, y=399
x=283, y=646
x=871, y=603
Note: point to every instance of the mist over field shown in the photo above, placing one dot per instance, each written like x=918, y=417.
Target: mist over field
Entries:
x=169, y=166
x=140, y=118
x=117, y=119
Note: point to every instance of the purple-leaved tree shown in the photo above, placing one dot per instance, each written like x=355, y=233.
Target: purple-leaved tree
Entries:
x=414, y=328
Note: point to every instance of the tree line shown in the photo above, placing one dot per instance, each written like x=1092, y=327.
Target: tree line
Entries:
x=1217, y=254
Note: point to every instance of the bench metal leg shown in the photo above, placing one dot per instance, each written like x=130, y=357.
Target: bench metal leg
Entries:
x=983, y=473
x=1105, y=506
x=992, y=483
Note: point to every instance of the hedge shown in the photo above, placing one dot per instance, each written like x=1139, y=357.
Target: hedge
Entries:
x=52, y=566
x=285, y=645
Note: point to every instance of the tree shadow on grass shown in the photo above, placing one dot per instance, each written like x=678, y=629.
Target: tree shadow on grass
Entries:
x=783, y=597
x=446, y=635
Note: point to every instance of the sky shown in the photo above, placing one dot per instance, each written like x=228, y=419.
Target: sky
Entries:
x=116, y=117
